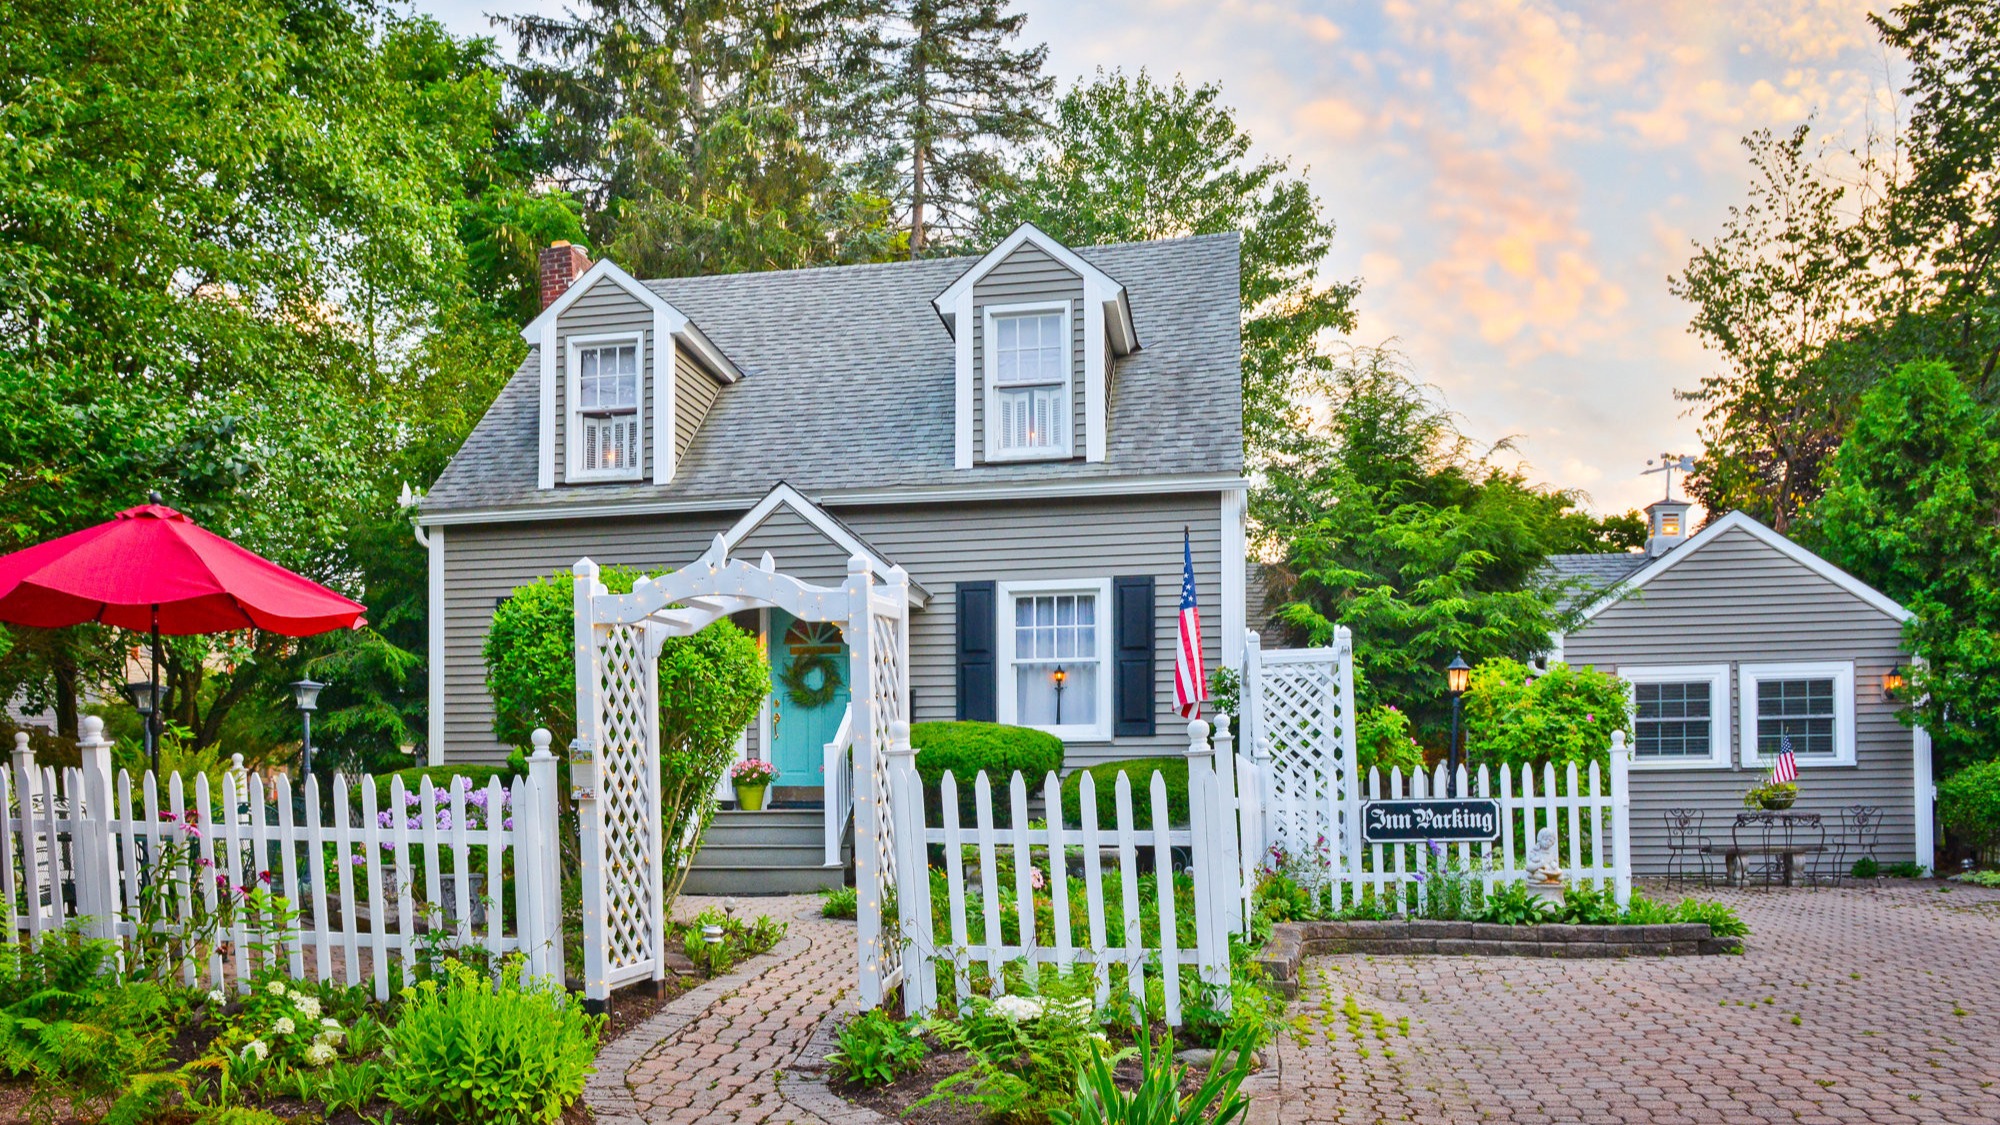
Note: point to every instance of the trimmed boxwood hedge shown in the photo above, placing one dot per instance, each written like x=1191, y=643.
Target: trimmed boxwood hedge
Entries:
x=443, y=777
x=1104, y=776
x=965, y=748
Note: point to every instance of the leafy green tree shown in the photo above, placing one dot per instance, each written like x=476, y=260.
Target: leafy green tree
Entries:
x=1515, y=717
x=684, y=127
x=1130, y=158
x=935, y=92
x=711, y=685
x=1909, y=508
x=1389, y=523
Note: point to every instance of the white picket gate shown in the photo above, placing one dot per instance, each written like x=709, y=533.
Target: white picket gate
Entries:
x=81, y=846
x=1122, y=959
x=1299, y=734
x=1592, y=820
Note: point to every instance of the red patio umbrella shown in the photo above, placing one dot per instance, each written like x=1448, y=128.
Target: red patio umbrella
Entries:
x=151, y=569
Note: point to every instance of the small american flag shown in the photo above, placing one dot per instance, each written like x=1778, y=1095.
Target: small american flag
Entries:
x=1787, y=769
x=1190, y=679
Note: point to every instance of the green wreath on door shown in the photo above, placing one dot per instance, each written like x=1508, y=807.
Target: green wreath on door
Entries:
x=796, y=679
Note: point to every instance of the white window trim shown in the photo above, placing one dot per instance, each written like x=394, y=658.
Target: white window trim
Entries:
x=1841, y=672
x=1717, y=678
x=988, y=374
x=573, y=461
x=1008, y=708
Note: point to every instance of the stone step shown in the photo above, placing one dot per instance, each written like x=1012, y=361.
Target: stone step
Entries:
x=718, y=854
x=761, y=880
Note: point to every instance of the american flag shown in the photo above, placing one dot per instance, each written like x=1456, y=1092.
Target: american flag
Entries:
x=1190, y=679
x=1787, y=768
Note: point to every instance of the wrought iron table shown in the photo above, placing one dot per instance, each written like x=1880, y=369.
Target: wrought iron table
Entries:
x=1782, y=836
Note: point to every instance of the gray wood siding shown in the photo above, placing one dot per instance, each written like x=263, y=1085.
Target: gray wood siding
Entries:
x=941, y=545
x=1028, y=274
x=1736, y=602
x=694, y=393
x=606, y=308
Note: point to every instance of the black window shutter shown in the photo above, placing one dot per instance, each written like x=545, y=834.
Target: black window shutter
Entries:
x=977, y=652
x=1132, y=649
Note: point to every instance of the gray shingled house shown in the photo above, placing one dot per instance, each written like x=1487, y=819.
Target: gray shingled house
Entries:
x=1029, y=433
x=1731, y=638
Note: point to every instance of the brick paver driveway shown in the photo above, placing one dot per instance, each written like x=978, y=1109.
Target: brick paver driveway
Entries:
x=1876, y=1004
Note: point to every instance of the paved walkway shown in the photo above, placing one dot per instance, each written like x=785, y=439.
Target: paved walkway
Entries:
x=721, y=1052
x=1852, y=1005
x=1855, y=1005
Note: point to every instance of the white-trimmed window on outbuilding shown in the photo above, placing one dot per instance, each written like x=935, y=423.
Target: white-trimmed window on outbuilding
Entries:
x=1055, y=657
x=1680, y=715
x=1029, y=394
x=1812, y=704
x=606, y=442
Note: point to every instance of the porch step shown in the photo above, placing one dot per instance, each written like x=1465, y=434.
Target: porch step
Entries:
x=770, y=852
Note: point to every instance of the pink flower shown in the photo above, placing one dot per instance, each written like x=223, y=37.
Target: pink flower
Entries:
x=1035, y=878
x=264, y=877
x=222, y=883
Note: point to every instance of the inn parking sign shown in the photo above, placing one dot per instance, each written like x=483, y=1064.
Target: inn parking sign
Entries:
x=1444, y=820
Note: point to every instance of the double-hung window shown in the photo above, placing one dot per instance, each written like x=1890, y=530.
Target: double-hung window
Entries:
x=1811, y=705
x=1028, y=394
x=605, y=439
x=1680, y=715
x=1055, y=655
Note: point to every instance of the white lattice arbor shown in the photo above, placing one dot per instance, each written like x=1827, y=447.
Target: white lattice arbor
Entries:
x=615, y=774
x=1298, y=707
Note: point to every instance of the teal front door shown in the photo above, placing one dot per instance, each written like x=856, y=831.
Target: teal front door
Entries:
x=808, y=697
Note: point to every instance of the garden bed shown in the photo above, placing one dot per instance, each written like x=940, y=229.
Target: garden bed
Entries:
x=1292, y=941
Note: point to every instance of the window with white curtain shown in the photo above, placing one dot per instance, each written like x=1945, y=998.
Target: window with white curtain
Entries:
x=1029, y=394
x=604, y=415
x=1055, y=648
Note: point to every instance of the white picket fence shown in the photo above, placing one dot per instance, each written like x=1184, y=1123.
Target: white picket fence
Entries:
x=1123, y=960
x=1592, y=820
x=82, y=847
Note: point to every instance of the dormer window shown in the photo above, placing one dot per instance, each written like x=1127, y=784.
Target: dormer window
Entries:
x=1029, y=399
x=604, y=386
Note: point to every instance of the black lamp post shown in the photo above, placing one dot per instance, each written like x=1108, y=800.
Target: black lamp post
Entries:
x=1457, y=676
x=305, y=696
x=1060, y=676
x=145, y=698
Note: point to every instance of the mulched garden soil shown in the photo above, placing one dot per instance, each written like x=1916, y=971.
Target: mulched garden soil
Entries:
x=635, y=1004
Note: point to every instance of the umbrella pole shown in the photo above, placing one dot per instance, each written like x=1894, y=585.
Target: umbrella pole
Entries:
x=153, y=720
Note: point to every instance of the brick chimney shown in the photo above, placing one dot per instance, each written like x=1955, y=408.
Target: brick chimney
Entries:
x=561, y=265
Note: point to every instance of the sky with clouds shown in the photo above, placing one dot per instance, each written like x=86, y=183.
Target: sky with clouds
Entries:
x=1514, y=180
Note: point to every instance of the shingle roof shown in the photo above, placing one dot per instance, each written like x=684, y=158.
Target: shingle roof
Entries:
x=1589, y=576
x=848, y=384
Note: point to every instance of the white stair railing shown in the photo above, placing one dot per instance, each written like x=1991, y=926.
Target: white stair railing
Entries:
x=837, y=777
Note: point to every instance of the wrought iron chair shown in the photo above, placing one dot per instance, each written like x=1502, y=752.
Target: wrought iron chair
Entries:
x=1685, y=843
x=1860, y=836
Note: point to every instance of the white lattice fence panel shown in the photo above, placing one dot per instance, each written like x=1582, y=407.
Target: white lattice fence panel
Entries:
x=885, y=689
x=628, y=797
x=1304, y=748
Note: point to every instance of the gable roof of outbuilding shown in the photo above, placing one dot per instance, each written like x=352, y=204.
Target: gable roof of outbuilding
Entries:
x=847, y=385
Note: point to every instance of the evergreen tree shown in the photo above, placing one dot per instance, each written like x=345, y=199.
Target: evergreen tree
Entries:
x=934, y=93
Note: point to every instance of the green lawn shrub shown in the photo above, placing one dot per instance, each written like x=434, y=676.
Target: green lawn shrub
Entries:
x=468, y=1050
x=1969, y=805
x=1105, y=777
x=966, y=748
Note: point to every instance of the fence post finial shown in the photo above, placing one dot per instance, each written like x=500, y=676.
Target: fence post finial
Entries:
x=541, y=738
x=1198, y=738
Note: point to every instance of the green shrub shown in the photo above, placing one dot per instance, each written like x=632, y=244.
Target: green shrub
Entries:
x=1513, y=716
x=1865, y=868
x=876, y=1050
x=967, y=748
x=70, y=1023
x=1979, y=878
x=1513, y=904
x=1583, y=905
x=468, y=1051
x=1906, y=869
x=839, y=902
x=1969, y=804
x=1026, y=1053
x=1382, y=740
x=442, y=777
x=1721, y=917
x=1105, y=777
x=1157, y=1099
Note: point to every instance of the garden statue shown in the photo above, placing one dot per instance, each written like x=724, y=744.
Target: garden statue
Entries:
x=1544, y=866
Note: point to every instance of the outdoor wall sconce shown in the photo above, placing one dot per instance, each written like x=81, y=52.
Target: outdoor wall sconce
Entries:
x=1893, y=682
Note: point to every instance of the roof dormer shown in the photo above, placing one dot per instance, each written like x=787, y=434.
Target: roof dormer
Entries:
x=1037, y=329
x=625, y=378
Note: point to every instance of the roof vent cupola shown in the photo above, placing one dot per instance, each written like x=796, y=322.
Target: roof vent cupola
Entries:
x=1667, y=518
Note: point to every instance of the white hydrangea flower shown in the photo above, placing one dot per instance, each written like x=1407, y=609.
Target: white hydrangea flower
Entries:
x=308, y=1006
x=277, y=988
x=255, y=1049
x=320, y=1054
x=1019, y=1007
x=215, y=996
x=284, y=1026
x=330, y=1031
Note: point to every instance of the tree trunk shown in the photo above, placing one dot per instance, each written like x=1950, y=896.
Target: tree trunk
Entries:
x=65, y=675
x=917, y=207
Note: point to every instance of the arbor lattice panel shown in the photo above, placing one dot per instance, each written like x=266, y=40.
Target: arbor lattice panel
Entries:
x=1302, y=701
x=629, y=800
